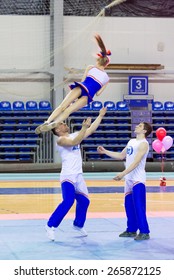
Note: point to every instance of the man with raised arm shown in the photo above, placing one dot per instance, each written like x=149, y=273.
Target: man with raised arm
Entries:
x=71, y=177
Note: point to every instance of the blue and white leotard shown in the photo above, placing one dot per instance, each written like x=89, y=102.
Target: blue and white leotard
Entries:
x=93, y=82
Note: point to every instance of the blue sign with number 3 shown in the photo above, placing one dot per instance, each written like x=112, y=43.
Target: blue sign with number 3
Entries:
x=138, y=85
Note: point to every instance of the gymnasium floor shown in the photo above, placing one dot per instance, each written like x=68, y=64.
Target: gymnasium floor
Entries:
x=27, y=200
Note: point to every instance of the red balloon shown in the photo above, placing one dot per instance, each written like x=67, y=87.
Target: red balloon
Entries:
x=160, y=133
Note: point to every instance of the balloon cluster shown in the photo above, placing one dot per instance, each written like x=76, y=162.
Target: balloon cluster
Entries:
x=163, y=143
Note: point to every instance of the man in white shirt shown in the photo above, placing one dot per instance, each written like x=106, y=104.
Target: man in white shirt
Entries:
x=71, y=177
x=135, y=153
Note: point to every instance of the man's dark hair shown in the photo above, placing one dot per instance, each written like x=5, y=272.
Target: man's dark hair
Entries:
x=148, y=128
x=54, y=131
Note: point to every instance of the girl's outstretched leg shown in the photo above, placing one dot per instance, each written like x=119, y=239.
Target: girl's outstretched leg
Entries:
x=79, y=103
x=71, y=96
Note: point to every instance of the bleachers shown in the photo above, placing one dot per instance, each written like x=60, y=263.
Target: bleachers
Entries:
x=18, y=141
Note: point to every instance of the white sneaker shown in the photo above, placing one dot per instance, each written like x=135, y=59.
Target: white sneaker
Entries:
x=38, y=129
x=48, y=126
x=50, y=232
x=82, y=231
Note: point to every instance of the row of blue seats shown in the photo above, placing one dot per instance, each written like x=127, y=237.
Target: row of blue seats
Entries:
x=111, y=105
x=16, y=135
x=29, y=106
x=12, y=157
x=45, y=105
x=95, y=105
x=122, y=105
x=159, y=106
x=18, y=141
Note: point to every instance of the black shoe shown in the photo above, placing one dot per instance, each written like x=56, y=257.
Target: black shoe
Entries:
x=142, y=236
x=127, y=234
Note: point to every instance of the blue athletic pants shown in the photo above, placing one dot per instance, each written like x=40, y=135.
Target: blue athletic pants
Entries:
x=69, y=196
x=135, y=206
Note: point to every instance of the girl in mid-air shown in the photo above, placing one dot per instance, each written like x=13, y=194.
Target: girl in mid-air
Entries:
x=94, y=81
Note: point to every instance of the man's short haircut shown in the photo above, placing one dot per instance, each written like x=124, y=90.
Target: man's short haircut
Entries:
x=54, y=131
x=148, y=128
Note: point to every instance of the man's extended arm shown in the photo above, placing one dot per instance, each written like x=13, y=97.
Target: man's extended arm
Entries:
x=67, y=141
x=116, y=155
x=96, y=123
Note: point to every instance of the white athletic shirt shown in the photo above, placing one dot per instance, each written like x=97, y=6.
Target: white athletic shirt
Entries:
x=99, y=75
x=138, y=174
x=71, y=158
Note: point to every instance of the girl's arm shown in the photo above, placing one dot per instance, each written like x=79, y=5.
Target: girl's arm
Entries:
x=86, y=72
x=101, y=90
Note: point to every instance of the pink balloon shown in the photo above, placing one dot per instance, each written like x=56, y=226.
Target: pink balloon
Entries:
x=157, y=145
x=163, y=149
x=167, y=142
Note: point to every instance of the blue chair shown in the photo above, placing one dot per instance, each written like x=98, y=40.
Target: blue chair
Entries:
x=122, y=106
x=37, y=122
x=157, y=106
x=7, y=121
x=91, y=149
x=10, y=157
x=32, y=135
x=43, y=114
x=10, y=150
x=123, y=121
x=22, y=128
x=109, y=127
x=110, y=136
x=97, y=135
x=110, y=105
x=8, y=128
x=6, y=135
x=123, y=135
x=18, y=106
x=5, y=106
x=20, y=135
x=24, y=157
x=108, y=121
x=23, y=121
x=94, y=157
x=89, y=142
x=45, y=106
x=78, y=120
x=96, y=105
x=6, y=143
x=31, y=106
x=112, y=142
x=31, y=142
x=169, y=106
x=101, y=141
x=123, y=127
x=87, y=107
x=18, y=142
x=25, y=149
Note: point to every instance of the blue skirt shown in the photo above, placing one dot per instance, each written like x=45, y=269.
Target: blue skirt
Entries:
x=89, y=87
